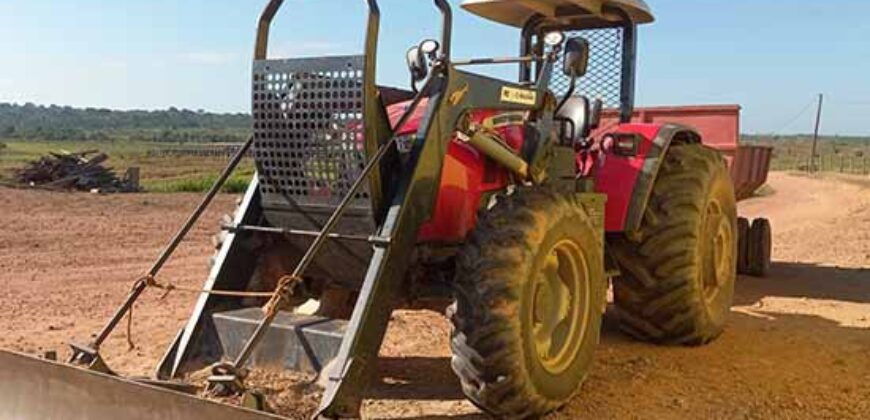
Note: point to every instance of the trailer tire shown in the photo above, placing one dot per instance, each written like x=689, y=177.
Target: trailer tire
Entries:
x=742, y=245
x=759, y=248
x=530, y=293
x=678, y=273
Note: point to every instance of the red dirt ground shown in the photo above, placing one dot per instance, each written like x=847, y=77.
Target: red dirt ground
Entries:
x=798, y=344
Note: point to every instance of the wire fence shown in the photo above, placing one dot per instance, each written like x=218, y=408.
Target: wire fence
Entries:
x=204, y=150
x=844, y=164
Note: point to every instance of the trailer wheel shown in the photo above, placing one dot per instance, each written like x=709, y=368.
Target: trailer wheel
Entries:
x=678, y=276
x=530, y=292
x=759, y=248
x=742, y=245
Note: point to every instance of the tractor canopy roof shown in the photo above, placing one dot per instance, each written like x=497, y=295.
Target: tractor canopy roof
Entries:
x=573, y=13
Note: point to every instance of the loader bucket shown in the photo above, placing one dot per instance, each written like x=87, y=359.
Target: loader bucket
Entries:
x=32, y=388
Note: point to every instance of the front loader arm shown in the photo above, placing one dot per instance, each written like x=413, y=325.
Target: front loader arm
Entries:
x=410, y=207
x=453, y=93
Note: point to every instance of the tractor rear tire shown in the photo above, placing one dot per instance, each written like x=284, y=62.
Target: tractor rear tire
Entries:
x=678, y=273
x=759, y=248
x=530, y=294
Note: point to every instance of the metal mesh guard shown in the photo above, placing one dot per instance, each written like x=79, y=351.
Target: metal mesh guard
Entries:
x=308, y=128
x=603, y=79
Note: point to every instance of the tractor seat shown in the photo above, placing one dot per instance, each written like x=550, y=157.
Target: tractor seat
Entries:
x=575, y=115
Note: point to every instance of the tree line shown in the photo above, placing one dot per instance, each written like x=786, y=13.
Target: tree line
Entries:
x=53, y=122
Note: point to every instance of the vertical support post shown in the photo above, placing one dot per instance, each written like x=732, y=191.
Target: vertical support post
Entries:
x=529, y=30
x=446, y=27
x=376, y=124
x=262, y=45
x=816, y=134
x=629, y=73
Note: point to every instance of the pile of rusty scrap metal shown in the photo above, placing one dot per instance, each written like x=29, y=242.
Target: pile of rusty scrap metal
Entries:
x=81, y=171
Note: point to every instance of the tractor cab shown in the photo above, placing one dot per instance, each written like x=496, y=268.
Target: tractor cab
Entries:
x=608, y=26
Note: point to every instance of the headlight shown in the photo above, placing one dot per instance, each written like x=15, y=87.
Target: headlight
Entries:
x=554, y=38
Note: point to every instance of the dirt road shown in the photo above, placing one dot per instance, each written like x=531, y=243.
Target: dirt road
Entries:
x=798, y=344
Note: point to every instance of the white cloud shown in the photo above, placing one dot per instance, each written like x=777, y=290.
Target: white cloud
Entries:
x=209, y=57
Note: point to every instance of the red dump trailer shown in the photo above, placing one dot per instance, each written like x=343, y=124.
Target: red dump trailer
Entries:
x=719, y=126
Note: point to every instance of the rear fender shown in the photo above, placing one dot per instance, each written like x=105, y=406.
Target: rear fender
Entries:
x=628, y=181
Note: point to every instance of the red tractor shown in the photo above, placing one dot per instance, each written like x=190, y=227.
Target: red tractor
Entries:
x=504, y=199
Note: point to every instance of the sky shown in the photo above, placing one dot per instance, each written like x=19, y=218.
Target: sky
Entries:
x=773, y=57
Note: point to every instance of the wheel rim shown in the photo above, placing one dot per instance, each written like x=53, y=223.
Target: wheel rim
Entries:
x=719, y=258
x=559, y=303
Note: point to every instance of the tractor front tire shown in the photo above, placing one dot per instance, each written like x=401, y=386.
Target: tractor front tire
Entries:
x=530, y=293
x=678, y=273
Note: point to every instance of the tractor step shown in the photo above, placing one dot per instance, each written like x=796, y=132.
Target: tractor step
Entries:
x=297, y=342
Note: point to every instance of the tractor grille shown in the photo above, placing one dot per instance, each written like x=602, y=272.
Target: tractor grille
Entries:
x=308, y=130
x=603, y=79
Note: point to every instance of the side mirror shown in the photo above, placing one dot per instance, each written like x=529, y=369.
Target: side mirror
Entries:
x=417, y=64
x=576, y=57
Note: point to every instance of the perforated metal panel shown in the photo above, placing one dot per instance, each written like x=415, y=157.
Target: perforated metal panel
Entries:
x=308, y=128
x=603, y=78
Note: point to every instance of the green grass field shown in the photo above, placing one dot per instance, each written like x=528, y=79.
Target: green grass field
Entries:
x=172, y=173
x=158, y=173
